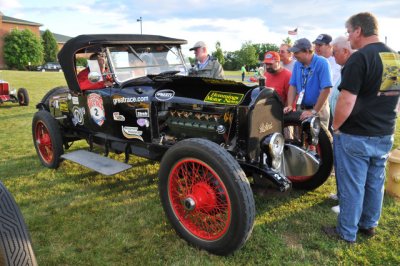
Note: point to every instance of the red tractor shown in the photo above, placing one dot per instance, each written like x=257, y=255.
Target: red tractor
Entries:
x=7, y=95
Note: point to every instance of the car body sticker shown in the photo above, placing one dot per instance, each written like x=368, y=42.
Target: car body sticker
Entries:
x=78, y=114
x=118, y=117
x=222, y=97
x=96, y=108
x=118, y=99
x=132, y=133
x=142, y=112
x=143, y=122
x=164, y=95
x=63, y=107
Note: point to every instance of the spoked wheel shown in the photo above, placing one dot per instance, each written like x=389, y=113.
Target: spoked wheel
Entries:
x=47, y=139
x=15, y=243
x=323, y=153
x=23, y=97
x=206, y=196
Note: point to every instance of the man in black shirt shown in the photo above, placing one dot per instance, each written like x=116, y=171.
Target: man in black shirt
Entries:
x=363, y=126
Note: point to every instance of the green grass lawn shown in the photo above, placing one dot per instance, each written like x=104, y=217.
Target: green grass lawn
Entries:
x=78, y=217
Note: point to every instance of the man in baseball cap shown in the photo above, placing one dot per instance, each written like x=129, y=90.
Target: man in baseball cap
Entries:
x=205, y=65
x=302, y=44
x=311, y=80
x=276, y=76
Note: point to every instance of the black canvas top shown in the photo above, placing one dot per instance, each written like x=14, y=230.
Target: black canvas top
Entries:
x=71, y=47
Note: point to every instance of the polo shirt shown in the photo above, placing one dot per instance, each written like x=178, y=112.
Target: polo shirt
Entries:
x=314, y=78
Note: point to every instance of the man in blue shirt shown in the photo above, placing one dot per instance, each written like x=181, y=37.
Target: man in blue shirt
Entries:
x=311, y=80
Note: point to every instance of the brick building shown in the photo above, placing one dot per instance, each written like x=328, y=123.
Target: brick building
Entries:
x=8, y=23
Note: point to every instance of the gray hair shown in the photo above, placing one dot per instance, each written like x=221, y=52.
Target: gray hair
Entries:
x=342, y=42
x=366, y=21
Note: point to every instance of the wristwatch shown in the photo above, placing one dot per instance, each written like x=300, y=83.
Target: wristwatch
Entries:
x=313, y=112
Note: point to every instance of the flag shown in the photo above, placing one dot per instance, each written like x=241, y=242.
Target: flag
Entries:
x=293, y=32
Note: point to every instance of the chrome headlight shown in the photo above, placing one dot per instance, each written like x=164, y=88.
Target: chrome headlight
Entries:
x=315, y=128
x=273, y=146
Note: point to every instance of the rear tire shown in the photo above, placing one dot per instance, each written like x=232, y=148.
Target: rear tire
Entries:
x=15, y=243
x=23, y=97
x=47, y=139
x=324, y=151
x=206, y=196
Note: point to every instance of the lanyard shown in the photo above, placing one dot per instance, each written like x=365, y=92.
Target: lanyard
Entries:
x=304, y=79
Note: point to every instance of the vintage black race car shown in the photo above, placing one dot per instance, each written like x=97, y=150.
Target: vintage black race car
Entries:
x=211, y=136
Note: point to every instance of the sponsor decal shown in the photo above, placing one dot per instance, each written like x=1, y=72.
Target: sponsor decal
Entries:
x=142, y=112
x=75, y=100
x=69, y=96
x=164, y=95
x=222, y=97
x=63, y=107
x=264, y=127
x=117, y=100
x=143, y=122
x=118, y=117
x=96, y=108
x=132, y=133
x=78, y=115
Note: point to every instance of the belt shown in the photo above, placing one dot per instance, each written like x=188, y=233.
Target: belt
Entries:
x=306, y=107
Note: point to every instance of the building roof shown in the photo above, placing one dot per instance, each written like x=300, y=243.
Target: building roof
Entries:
x=19, y=21
x=59, y=37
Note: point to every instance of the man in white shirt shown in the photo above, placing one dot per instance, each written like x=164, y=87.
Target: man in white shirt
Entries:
x=323, y=48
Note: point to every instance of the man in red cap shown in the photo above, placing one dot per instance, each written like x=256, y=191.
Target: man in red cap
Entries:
x=276, y=76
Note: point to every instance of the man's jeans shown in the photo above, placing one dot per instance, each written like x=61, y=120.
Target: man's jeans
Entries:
x=360, y=175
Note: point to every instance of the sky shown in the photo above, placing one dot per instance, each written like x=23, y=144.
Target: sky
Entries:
x=231, y=22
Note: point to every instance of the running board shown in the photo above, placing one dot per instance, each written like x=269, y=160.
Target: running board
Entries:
x=96, y=162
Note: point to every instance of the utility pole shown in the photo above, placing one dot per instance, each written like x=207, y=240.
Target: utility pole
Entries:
x=140, y=20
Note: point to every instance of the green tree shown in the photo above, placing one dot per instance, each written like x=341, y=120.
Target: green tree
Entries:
x=218, y=53
x=248, y=55
x=50, y=46
x=262, y=48
x=231, y=61
x=22, y=47
x=287, y=41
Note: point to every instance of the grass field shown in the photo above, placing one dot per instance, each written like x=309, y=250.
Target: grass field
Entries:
x=78, y=217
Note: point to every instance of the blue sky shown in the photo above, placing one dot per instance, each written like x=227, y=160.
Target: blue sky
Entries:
x=232, y=22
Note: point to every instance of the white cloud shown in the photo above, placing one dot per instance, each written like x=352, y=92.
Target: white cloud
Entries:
x=8, y=4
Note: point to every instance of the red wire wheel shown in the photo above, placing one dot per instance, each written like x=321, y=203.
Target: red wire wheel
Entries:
x=206, y=196
x=47, y=139
x=199, y=199
x=43, y=141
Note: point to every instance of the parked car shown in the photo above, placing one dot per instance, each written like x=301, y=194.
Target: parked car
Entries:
x=12, y=95
x=50, y=66
x=210, y=135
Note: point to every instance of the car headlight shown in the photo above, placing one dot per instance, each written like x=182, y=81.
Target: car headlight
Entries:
x=315, y=128
x=273, y=146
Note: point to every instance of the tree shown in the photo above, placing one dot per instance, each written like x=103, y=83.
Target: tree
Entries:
x=21, y=48
x=218, y=53
x=248, y=55
x=287, y=41
x=262, y=48
x=231, y=61
x=50, y=46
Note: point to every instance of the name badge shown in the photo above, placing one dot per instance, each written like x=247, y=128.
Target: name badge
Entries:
x=300, y=99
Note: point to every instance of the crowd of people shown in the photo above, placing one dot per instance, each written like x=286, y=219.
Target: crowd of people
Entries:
x=341, y=81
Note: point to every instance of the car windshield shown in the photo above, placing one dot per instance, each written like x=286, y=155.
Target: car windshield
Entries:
x=130, y=62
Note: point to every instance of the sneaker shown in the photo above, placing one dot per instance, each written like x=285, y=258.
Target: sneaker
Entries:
x=368, y=232
x=333, y=196
x=332, y=233
x=336, y=209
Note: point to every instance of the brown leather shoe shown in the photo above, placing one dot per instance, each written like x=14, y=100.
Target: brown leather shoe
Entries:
x=367, y=231
x=331, y=232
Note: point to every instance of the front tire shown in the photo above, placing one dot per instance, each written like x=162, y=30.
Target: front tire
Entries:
x=47, y=138
x=324, y=153
x=23, y=97
x=15, y=243
x=206, y=196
